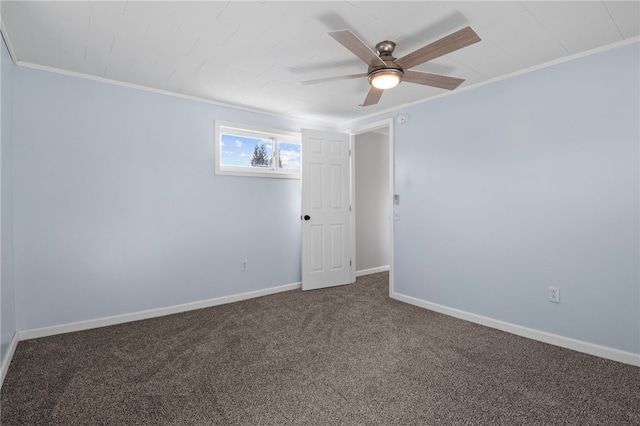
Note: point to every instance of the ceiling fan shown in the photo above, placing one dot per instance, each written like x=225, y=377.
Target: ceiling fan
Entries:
x=386, y=72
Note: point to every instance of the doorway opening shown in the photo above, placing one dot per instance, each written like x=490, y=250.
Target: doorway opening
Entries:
x=373, y=188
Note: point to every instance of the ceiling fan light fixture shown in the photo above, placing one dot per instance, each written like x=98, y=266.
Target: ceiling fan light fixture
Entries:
x=385, y=78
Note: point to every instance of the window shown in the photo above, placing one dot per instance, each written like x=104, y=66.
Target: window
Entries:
x=244, y=150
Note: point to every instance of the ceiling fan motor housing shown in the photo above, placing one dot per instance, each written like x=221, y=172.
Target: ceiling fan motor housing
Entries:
x=385, y=47
x=385, y=51
x=385, y=70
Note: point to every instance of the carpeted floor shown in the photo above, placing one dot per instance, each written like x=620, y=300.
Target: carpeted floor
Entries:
x=348, y=355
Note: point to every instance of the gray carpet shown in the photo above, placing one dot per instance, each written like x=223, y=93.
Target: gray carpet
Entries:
x=348, y=355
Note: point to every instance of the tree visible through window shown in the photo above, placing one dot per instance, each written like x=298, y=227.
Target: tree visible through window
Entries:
x=260, y=157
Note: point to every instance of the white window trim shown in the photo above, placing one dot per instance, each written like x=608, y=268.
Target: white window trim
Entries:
x=253, y=131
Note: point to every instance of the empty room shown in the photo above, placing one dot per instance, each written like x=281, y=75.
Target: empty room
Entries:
x=319, y=213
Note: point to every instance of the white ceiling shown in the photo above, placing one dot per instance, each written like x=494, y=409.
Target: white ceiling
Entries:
x=253, y=54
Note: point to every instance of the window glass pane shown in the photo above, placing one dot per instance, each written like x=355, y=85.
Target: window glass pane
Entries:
x=288, y=156
x=245, y=151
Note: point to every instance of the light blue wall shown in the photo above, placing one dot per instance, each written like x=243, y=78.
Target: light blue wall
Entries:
x=506, y=189
x=7, y=304
x=523, y=184
x=118, y=210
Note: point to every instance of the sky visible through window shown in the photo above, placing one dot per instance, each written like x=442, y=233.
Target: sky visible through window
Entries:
x=238, y=151
x=289, y=155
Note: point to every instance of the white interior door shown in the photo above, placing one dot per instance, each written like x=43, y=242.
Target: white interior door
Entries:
x=326, y=211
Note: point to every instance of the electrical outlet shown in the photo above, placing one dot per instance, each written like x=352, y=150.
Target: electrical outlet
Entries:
x=554, y=294
x=243, y=265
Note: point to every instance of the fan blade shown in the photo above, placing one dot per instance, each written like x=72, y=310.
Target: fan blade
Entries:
x=447, y=44
x=357, y=47
x=373, y=97
x=435, y=80
x=325, y=80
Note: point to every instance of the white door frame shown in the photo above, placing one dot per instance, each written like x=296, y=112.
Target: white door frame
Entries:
x=357, y=131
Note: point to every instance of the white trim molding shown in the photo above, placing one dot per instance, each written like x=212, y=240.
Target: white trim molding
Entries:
x=370, y=271
x=8, y=357
x=7, y=41
x=151, y=313
x=541, y=336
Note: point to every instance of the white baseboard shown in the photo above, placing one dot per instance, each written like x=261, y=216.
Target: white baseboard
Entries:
x=7, y=359
x=542, y=336
x=372, y=271
x=151, y=313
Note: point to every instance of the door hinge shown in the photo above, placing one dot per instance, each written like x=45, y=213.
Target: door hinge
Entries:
x=349, y=152
x=349, y=264
x=349, y=207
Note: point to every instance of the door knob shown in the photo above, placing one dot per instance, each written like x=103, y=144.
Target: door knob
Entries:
x=307, y=217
